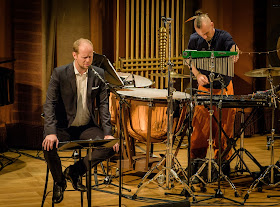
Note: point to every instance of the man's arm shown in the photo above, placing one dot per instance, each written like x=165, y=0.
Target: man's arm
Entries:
x=201, y=79
x=103, y=105
x=49, y=113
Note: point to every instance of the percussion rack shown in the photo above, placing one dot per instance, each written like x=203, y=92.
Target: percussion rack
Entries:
x=210, y=161
x=272, y=168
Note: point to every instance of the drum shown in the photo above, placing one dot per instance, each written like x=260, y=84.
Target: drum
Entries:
x=130, y=80
x=148, y=108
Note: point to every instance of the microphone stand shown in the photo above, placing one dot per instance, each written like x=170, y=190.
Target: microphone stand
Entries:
x=169, y=156
x=121, y=101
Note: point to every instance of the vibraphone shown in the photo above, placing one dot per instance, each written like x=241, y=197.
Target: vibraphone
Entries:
x=222, y=61
x=235, y=101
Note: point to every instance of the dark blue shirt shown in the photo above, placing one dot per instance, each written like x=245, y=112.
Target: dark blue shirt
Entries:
x=221, y=41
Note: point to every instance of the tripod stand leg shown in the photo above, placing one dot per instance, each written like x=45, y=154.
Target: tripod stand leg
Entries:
x=146, y=183
x=227, y=179
x=197, y=174
x=186, y=187
x=150, y=171
x=256, y=182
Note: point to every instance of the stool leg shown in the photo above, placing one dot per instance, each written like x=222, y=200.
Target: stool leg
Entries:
x=46, y=186
x=81, y=178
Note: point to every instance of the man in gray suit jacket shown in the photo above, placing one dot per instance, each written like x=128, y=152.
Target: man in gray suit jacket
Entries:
x=69, y=115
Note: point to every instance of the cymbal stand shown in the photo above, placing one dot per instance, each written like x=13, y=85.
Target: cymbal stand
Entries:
x=210, y=161
x=272, y=166
x=169, y=156
x=241, y=166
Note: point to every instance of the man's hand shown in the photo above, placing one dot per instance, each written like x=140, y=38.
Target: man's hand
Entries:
x=234, y=48
x=202, y=79
x=116, y=146
x=49, y=141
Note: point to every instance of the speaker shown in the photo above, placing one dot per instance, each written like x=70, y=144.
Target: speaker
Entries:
x=183, y=203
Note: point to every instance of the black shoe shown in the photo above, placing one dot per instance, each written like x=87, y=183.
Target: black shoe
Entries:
x=73, y=177
x=58, y=190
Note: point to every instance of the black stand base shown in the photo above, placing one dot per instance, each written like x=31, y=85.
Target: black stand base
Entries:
x=219, y=194
x=108, y=181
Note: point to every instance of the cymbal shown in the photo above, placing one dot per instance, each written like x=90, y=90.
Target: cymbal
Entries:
x=172, y=75
x=264, y=72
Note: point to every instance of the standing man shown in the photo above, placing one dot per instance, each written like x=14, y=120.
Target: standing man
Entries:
x=208, y=38
x=69, y=115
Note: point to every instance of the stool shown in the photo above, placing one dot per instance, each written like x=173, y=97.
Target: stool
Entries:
x=45, y=194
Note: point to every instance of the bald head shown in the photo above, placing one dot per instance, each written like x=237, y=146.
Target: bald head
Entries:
x=79, y=42
x=204, y=26
x=82, y=54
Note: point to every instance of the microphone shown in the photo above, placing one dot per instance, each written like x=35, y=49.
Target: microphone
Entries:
x=97, y=74
x=166, y=18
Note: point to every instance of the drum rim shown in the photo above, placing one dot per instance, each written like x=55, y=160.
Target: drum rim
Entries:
x=148, y=99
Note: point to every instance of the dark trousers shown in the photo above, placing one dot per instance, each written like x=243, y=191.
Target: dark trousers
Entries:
x=77, y=133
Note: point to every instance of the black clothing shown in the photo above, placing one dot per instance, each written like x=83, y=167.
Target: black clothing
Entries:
x=60, y=110
x=221, y=41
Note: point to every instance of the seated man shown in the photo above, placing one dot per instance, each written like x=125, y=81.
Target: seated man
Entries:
x=69, y=115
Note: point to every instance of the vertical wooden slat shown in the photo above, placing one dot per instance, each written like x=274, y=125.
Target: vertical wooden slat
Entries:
x=152, y=28
x=182, y=39
x=142, y=34
x=161, y=12
x=147, y=55
x=157, y=26
x=172, y=28
x=183, y=25
x=177, y=21
x=127, y=30
x=117, y=31
x=132, y=31
x=137, y=31
x=142, y=29
x=167, y=7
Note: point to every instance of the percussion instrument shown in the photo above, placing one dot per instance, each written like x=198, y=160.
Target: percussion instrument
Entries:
x=223, y=62
x=235, y=101
x=144, y=99
x=130, y=80
x=146, y=118
x=263, y=72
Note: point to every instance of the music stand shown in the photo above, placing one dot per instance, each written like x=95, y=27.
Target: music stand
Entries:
x=89, y=145
x=121, y=102
x=110, y=73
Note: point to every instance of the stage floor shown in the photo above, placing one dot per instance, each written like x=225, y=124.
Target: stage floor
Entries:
x=22, y=183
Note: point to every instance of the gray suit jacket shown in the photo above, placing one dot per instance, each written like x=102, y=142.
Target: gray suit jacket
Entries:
x=61, y=103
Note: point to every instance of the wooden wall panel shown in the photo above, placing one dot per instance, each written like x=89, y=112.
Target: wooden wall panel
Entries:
x=27, y=38
x=5, y=51
x=230, y=16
